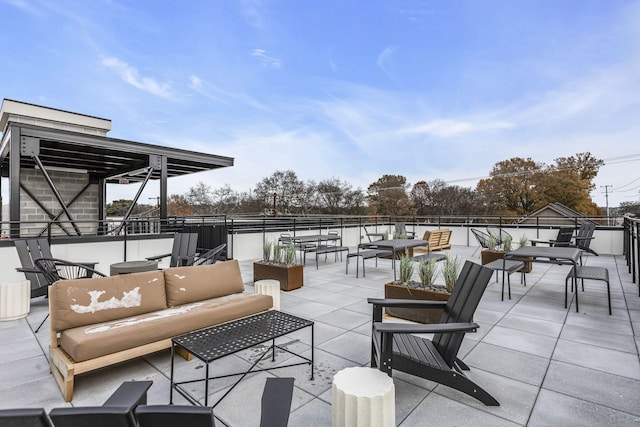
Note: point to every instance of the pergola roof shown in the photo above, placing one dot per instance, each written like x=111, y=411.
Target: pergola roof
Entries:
x=106, y=158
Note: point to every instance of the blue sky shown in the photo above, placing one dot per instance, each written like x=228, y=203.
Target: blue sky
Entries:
x=346, y=89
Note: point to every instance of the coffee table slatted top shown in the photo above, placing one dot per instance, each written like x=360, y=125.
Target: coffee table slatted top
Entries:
x=222, y=340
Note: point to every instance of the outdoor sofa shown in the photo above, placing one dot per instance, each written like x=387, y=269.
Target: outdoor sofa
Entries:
x=438, y=240
x=102, y=321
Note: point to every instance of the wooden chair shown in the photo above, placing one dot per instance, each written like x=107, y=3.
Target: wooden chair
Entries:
x=395, y=345
x=183, y=252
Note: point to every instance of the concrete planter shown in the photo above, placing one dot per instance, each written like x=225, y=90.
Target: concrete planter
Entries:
x=290, y=277
x=399, y=291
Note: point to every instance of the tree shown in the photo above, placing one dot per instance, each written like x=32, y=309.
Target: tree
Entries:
x=567, y=187
x=178, y=205
x=119, y=208
x=420, y=196
x=336, y=196
x=388, y=196
x=513, y=187
x=287, y=189
x=584, y=164
x=200, y=199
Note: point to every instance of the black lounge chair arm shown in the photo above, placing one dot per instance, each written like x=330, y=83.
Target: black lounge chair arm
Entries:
x=407, y=303
x=157, y=257
x=434, y=328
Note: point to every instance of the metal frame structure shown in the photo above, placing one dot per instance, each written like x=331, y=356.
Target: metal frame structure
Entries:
x=105, y=160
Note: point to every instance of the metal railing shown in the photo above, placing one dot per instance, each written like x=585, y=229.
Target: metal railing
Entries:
x=632, y=247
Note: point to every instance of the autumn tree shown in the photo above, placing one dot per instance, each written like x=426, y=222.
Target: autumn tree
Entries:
x=200, y=199
x=335, y=196
x=388, y=196
x=420, y=196
x=584, y=164
x=178, y=205
x=513, y=186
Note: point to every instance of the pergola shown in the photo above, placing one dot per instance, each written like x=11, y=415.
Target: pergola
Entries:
x=54, y=141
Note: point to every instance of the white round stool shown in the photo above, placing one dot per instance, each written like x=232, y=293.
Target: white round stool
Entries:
x=269, y=287
x=363, y=397
x=15, y=300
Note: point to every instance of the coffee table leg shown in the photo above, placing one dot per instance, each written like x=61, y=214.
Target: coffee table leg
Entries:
x=171, y=381
x=206, y=386
x=312, y=351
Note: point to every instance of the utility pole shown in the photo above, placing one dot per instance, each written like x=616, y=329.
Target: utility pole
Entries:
x=606, y=197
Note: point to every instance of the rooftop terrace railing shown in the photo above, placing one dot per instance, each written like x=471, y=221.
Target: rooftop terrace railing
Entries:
x=632, y=247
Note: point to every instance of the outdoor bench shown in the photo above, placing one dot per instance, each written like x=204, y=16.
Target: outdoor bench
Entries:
x=330, y=249
x=367, y=254
x=102, y=321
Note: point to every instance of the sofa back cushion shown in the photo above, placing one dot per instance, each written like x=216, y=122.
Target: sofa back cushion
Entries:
x=185, y=285
x=82, y=302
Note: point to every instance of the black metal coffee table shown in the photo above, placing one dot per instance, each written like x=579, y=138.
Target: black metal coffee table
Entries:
x=223, y=340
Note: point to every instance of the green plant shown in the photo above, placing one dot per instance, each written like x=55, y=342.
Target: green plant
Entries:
x=427, y=270
x=266, y=251
x=506, y=243
x=289, y=254
x=277, y=253
x=450, y=271
x=406, y=268
x=492, y=243
x=523, y=240
x=385, y=235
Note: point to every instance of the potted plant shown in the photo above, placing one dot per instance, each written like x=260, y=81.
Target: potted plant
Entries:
x=281, y=266
x=493, y=251
x=528, y=264
x=425, y=289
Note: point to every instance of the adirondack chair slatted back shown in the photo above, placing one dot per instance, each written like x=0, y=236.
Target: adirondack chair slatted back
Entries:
x=184, y=249
x=462, y=303
x=564, y=236
x=584, y=236
x=28, y=251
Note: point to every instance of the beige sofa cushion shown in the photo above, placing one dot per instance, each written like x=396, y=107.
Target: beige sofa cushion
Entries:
x=185, y=285
x=100, y=339
x=82, y=302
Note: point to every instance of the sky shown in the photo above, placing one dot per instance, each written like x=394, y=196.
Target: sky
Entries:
x=438, y=89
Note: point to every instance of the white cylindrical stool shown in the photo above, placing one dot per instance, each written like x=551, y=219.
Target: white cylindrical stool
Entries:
x=15, y=300
x=269, y=287
x=363, y=397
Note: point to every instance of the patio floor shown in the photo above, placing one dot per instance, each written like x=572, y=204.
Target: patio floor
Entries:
x=545, y=364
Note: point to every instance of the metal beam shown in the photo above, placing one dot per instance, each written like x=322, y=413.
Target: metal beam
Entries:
x=14, y=181
x=56, y=194
x=135, y=200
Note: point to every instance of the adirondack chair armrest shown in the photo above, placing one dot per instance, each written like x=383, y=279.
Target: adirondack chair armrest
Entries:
x=406, y=303
x=435, y=328
x=157, y=257
x=27, y=270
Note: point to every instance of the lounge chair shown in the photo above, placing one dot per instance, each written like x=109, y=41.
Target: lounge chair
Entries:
x=397, y=345
x=183, y=252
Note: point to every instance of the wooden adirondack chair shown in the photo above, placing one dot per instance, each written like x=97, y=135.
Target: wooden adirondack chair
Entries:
x=395, y=345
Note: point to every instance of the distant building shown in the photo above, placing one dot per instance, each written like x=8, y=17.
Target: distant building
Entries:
x=556, y=214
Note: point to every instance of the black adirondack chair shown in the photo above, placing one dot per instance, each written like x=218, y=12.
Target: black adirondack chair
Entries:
x=582, y=239
x=211, y=256
x=276, y=405
x=183, y=252
x=395, y=345
x=28, y=251
x=30, y=417
x=565, y=234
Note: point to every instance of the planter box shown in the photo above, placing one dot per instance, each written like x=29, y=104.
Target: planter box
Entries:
x=415, y=314
x=488, y=256
x=290, y=277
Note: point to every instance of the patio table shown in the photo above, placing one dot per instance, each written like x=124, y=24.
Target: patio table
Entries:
x=394, y=245
x=550, y=255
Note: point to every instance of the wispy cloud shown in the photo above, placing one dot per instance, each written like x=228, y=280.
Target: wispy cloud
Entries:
x=23, y=5
x=448, y=127
x=130, y=75
x=214, y=93
x=266, y=60
x=384, y=60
